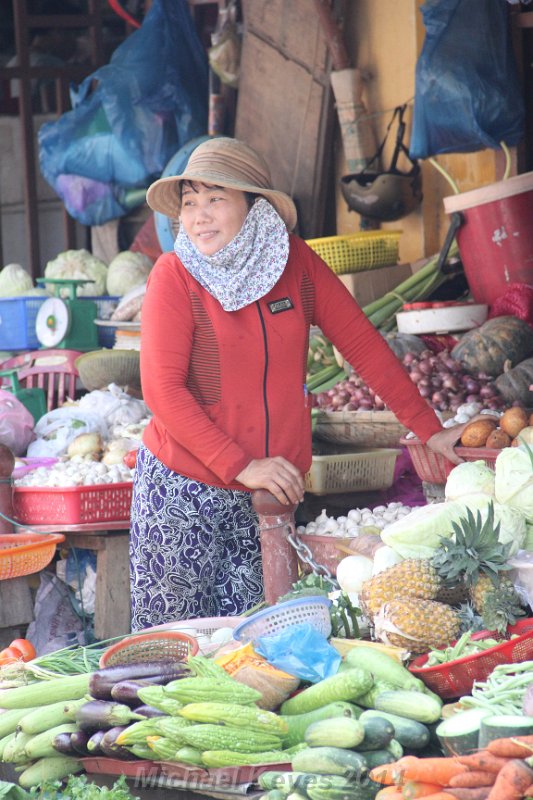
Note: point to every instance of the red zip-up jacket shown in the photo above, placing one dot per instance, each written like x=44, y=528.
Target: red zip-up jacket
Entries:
x=227, y=387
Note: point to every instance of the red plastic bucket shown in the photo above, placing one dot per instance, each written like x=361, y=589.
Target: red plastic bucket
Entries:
x=496, y=238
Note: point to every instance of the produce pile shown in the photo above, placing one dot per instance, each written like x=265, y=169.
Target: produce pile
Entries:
x=441, y=379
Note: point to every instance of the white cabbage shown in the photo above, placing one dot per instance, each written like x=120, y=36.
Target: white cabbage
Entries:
x=514, y=479
x=419, y=533
x=126, y=271
x=469, y=478
x=14, y=281
x=79, y=265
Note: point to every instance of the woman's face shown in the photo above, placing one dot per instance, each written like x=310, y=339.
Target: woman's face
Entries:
x=211, y=215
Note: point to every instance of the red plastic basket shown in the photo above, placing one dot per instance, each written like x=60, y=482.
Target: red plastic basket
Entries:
x=108, y=502
x=26, y=553
x=456, y=678
x=434, y=468
x=157, y=646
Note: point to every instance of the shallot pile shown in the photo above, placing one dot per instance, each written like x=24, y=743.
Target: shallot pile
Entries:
x=440, y=379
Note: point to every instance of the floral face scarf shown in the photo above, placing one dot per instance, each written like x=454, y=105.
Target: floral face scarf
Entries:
x=247, y=267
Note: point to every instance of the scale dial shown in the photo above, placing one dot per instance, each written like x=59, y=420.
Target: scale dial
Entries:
x=53, y=321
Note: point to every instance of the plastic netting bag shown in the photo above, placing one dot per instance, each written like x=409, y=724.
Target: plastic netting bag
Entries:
x=467, y=91
x=148, y=102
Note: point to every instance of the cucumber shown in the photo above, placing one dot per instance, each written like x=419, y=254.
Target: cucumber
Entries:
x=376, y=758
x=378, y=733
x=42, y=719
x=49, y=769
x=283, y=781
x=330, y=761
x=384, y=668
x=502, y=726
x=459, y=734
x=273, y=794
x=345, y=686
x=298, y=723
x=335, y=787
x=413, y=705
x=9, y=720
x=41, y=745
x=409, y=733
x=341, y=732
x=394, y=747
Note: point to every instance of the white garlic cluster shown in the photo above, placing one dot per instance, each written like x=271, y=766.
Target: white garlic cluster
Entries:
x=355, y=522
x=76, y=471
x=466, y=411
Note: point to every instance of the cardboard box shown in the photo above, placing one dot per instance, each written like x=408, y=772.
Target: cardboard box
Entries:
x=371, y=284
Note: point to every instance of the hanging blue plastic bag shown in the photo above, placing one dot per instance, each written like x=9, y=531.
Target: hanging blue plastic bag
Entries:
x=148, y=102
x=300, y=650
x=467, y=91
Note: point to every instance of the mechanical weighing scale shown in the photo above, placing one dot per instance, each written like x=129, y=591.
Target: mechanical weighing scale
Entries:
x=67, y=322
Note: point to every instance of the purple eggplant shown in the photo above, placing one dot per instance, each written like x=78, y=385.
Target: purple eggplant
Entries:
x=126, y=691
x=94, y=741
x=101, y=715
x=110, y=748
x=79, y=741
x=63, y=744
x=149, y=711
x=103, y=680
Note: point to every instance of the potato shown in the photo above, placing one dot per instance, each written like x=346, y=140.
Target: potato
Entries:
x=498, y=439
x=476, y=433
x=513, y=420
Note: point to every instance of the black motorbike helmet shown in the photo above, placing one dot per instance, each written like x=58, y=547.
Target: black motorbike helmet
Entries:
x=390, y=194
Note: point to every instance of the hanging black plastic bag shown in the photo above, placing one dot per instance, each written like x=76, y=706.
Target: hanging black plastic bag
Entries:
x=148, y=102
x=467, y=92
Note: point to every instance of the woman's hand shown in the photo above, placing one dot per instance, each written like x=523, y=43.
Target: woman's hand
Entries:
x=278, y=475
x=445, y=440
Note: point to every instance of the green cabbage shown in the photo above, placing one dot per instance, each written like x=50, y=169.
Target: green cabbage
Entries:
x=79, y=265
x=512, y=522
x=126, y=271
x=469, y=478
x=14, y=281
x=419, y=533
x=514, y=479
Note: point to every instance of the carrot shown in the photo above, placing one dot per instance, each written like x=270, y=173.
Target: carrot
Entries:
x=512, y=781
x=512, y=747
x=428, y=770
x=438, y=796
x=483, y=760
x=389, y=793
x=415, y=789
x=384, y=774
x=474, y=778
x=481, y=793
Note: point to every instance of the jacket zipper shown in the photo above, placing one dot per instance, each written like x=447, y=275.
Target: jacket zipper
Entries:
x=265, y=372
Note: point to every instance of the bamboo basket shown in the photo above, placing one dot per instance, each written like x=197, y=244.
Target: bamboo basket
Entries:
x=359, y=428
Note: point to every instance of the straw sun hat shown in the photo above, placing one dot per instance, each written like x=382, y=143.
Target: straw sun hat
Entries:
x=222, y=162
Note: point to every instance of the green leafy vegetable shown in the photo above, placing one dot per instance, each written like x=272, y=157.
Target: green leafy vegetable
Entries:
x=78, y=787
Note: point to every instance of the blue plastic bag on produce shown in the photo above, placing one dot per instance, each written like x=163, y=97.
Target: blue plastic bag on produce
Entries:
x=129, y=117
x=467, y=90
x=300, y=650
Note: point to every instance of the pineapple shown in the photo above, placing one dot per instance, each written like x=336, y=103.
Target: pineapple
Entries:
x=417, y=625
x=498, y=605
x=477, y=558
x=410, y=578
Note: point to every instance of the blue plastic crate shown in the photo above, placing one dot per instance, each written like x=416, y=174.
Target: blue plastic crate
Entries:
x=17, y=322
x=105, y=305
